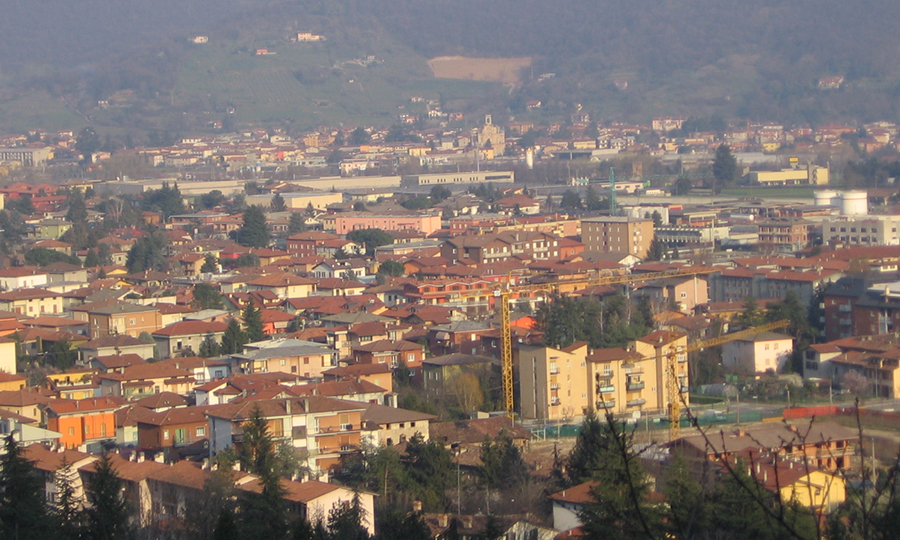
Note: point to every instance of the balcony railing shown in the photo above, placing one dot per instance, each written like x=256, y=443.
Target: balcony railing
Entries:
x=635, y=402
x=605, y=374
x=554, y=401
x=605, y=389
x=606, y=404
x=634, y=387
x=554, y=370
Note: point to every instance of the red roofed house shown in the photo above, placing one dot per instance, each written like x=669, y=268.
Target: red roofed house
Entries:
x=173, y=428
x=177, y=338
x=83, y=421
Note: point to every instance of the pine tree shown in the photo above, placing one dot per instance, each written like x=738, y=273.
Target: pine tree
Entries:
x=207, y=297
x=108, y=514
x=226, y=528
x=263, y=516
x=297, y=224
x=234, y=338
x=209, y=348
x=210, y=264
x=254, y=232
x=346, y=521
x=23, y=511
x=92, y=259
x=253, y=325
x=277, y=204
x=68, y=512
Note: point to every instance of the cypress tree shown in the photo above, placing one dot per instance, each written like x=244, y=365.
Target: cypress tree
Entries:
x=68, y=511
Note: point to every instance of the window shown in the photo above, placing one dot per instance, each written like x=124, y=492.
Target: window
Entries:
x=200, y=431
x=165, y=434
x=71, y=431
x=103, y=430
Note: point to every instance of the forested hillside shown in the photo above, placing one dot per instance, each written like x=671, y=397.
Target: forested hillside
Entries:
x=754, y=59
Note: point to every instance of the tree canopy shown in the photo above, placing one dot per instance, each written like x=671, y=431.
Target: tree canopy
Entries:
x=254, y=232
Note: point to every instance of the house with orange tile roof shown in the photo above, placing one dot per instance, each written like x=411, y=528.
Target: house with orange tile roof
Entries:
x=172, y=428
x=82, y=421
x=11, y=381
x=186, y=336
x=145, y=379
x=284, y=285
x=378, y=374
x=31, y=302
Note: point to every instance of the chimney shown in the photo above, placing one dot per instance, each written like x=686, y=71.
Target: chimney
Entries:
x=287, y=407
x=417, y=506
x=467, y=521
x=140, y=457
x=159, y=458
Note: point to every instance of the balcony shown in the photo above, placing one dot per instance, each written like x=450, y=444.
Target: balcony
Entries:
x=635, y=402
x=606, y=404
x=554, y=370
x=554, y=401
x=634, y=387
x=634, y=370
x=605, y=375
x=605, y=389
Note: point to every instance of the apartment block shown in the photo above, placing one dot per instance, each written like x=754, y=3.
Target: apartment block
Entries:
x=553, y=382
x=617, y=234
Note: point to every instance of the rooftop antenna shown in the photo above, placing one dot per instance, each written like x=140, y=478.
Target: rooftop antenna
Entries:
x=613, y=205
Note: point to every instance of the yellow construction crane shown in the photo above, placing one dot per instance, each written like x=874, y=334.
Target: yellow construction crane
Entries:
x=672, y=386
x=502, y=297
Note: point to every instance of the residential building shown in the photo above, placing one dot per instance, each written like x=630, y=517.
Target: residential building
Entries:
x=185, y=336
x=31, y=302
x=786, y=234
x=759, y=353
x=22, y=277
x=147, y=379
x=172, y=428
x=294, y=356
x=617, y=234
x=425, y=223
x=114, y=345
x=824, y=445
x=438, y=371
x=861, y=231
x=83, y=421
x=553, y=384
x=120, y=318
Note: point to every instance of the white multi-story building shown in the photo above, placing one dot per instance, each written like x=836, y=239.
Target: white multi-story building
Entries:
x=863, y=231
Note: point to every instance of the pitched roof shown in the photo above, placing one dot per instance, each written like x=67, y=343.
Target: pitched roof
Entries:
x=162, y=399
x=78, y=406
x=114, y=341
x=382, y=414
x=475, y=431
x=187, y=328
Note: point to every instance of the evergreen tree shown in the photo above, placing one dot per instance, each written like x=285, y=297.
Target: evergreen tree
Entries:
x=234, y=338
x=226, y=528
x=277, y=204
x=657, y=219
x=724, y=168
x=148, y=253
x=347, y=521
x=68, y=511
x=254, y=232
x=570, y=200
x=92, y=259
x=207, y=297
x=209, y=348
x=391, y=268
x=108, y=514
x=23, y=512
x=210, y=264
x=752, y=315
x=656, y=251
x=297, y=224
x=263, y=516
x=683, y=186
x=394, y=524
x=592, y=201
x=77, y=210
x=253, y=325
x=620, y=508
x=431, y=472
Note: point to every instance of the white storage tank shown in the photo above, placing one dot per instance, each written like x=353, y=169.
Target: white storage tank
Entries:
x=826, y=197
x=855, y=203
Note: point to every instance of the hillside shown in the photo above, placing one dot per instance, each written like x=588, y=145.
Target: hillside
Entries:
x=757, y=59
